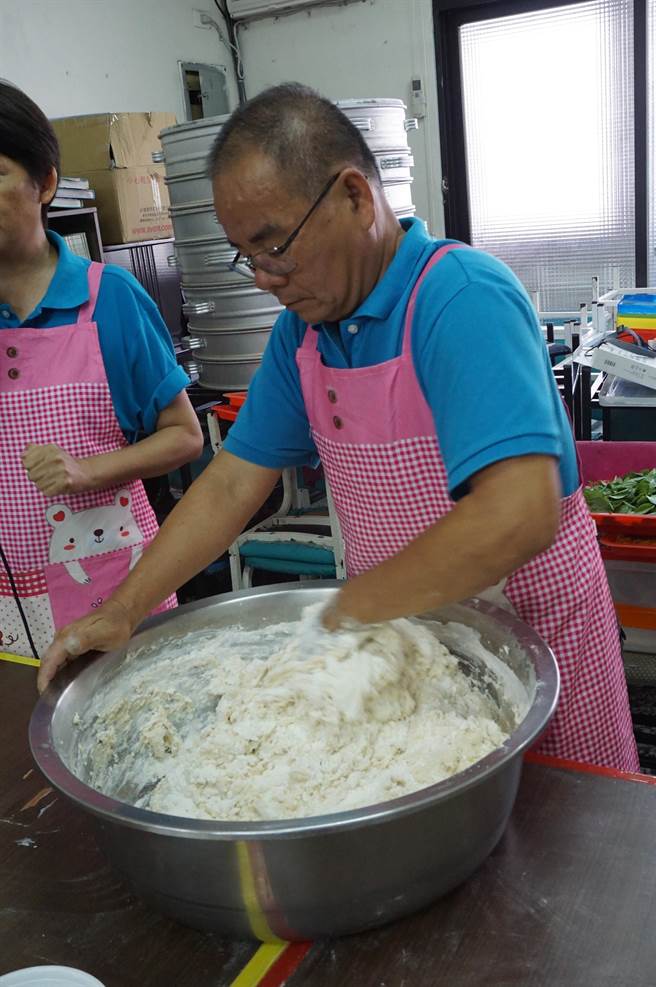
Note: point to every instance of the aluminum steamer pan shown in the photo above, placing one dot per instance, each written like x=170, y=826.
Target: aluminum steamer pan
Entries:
x=312, y=877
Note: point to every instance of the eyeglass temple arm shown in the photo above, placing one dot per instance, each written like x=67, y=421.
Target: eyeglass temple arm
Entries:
x=292, y=236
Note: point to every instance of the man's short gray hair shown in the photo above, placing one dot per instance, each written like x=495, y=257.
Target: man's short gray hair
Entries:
x=305, y=135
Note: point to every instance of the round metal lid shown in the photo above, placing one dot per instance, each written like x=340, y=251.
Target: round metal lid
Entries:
x=193, y=126
x=354, y=104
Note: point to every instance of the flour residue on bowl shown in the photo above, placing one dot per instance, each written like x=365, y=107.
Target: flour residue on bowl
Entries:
x=287, y=722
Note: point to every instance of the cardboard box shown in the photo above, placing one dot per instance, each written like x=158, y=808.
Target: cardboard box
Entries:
x=109, y=140
x=133, y=204
x=114, y=152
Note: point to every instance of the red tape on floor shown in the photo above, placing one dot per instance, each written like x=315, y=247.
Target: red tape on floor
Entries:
x=591, y=769
x=286, y=965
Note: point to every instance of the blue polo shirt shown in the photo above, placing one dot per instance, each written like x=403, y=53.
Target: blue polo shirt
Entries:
x=478, y=353
x=136, y=346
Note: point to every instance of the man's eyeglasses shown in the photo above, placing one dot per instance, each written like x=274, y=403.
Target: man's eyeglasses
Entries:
x=274, y=261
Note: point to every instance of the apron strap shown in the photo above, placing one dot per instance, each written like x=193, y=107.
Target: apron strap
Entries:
x=310, y=342
x=410, y=311
x=94, y=275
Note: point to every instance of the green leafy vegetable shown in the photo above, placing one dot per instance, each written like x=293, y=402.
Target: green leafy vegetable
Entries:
x=634, y=493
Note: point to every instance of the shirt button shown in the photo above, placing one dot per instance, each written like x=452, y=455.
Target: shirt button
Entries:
x=14, y=374
x=12, y=351
x=337, y=422
x=352, y=328
x=332, y=397
x=5, y=313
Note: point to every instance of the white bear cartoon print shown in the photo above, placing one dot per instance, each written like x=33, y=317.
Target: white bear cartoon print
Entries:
x=78, y=534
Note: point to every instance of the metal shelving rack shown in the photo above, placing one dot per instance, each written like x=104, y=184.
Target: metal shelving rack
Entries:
x=79, y=220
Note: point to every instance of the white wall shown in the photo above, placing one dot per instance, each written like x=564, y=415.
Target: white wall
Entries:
x=86, y=56
x=365, y=49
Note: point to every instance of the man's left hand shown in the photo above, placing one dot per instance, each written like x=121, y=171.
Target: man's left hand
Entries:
x=54, y=471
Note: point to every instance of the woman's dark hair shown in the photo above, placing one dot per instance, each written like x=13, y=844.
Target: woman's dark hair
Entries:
x=27, y=137
x=306, y=135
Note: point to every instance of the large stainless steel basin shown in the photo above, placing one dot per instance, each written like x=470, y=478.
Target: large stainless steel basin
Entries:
x=313, y=877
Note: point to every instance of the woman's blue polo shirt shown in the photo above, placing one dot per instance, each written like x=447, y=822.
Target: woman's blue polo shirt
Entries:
x=136, y=346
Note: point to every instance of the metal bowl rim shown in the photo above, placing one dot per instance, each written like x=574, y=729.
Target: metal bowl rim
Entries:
x=112, y=810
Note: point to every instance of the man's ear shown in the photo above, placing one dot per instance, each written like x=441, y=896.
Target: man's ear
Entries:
x=360, y=195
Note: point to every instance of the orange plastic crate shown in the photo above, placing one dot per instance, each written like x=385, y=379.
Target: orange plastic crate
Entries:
x=643, y=618
x=228, y=412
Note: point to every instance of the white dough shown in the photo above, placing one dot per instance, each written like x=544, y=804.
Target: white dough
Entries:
x=230, y=725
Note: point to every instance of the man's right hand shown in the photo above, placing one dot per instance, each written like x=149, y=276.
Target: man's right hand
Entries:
x=107, y=628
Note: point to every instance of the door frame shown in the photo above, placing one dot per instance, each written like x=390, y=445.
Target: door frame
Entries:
x=448, y=17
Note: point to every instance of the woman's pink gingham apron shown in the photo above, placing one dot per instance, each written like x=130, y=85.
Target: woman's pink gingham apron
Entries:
x=66, y=553
x=376, y=437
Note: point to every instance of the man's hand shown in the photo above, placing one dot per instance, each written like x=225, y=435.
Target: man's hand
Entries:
x=330, y=617
x=55, y=472
x=108, y=628
x=335, y=615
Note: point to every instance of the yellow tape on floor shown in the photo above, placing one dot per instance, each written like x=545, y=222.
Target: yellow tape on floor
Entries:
x=259, y=964
x=19, y=659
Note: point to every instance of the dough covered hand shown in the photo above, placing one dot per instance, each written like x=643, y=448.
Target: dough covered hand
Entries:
x=106, y=629
x=54, y=471
x=332, y=618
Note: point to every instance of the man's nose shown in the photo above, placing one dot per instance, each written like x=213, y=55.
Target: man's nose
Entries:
x=269, y=282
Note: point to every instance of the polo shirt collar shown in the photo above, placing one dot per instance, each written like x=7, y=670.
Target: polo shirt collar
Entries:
x=385, y=296
x=69, y=287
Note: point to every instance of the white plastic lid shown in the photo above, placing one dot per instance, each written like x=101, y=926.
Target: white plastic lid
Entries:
x=617, y=392
x=49, y=976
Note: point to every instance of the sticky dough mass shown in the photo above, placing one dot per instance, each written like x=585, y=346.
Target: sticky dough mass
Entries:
x=283, y=722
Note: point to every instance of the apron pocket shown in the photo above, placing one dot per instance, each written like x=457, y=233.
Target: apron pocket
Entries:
x=71, y=599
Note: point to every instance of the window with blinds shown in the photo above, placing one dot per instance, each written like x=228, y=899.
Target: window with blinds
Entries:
x=549, y=146
x=651, y=129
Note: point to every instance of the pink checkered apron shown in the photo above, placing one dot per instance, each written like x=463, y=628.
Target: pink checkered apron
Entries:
x=376, y=437
x=66, y=553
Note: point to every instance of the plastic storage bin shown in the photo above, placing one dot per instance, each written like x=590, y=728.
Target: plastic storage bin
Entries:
x=633, y=588
x=632, y=583
x=603, y=461
x=628, y=541
x=628, y=411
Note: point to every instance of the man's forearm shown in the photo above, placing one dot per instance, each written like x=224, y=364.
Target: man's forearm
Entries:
x=207, y=520
x=451, y=561
x=485, y=537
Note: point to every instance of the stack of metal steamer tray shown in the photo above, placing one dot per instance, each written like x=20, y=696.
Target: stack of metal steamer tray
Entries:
x=229, y=319
x=384, y=126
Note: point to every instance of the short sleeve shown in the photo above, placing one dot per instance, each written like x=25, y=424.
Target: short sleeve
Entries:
x=143, y=374
x=272, y=428
x=484, y=371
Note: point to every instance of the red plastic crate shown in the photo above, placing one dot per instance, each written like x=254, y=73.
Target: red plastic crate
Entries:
x=629, y=550
x=603, y=461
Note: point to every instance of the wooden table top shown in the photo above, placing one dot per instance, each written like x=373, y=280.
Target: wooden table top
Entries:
x=567, y=898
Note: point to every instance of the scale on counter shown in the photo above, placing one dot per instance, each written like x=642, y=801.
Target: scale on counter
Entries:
x=634, y=361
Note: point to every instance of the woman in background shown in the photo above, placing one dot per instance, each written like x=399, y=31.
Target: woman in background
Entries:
x=86, y=365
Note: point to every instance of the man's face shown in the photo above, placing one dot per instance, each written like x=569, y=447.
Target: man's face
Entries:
x=258, y=211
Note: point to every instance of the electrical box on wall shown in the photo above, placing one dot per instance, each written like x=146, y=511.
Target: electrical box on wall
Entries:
x=242, y=10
